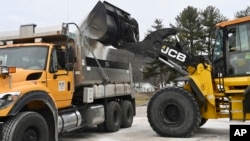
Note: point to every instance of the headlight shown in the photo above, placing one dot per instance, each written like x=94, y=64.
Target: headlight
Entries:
x=7, y=70
x=4, y=70
x=8, y=98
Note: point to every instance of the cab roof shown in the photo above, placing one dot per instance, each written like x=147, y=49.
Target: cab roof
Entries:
x=234, y=21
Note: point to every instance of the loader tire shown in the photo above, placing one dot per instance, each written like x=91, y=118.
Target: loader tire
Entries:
x=173, y=112
x=113, y=117
x=26, y=126
x=203, y=121
x=127, y=114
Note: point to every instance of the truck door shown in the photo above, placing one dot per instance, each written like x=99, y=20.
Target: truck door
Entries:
x=60, y=80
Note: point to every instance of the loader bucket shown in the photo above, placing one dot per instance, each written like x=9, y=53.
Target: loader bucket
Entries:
x=110, y=25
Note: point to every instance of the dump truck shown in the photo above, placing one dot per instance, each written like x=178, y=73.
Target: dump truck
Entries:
x=207, y=89
x=56, y=80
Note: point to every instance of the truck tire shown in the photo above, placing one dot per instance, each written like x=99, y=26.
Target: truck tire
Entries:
x=173, y=112
x=113, y=117
x=26, y=126
x=127, y=114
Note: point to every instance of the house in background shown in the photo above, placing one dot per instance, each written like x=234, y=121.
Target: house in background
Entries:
x=144, y=87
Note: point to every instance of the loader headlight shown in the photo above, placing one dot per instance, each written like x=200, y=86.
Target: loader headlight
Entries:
x=7, y=98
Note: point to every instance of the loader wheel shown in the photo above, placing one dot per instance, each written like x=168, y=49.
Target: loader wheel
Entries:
x=26, y=126
x=203, y=121
x=127, y=114
x=113, y=118
x=173, y=112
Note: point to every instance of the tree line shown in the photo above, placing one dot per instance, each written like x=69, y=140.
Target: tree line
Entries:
x=197, y=28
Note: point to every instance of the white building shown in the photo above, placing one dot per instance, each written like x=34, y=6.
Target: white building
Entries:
x=144, y=87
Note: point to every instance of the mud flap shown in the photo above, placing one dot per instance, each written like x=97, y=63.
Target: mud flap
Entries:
x=110, y=25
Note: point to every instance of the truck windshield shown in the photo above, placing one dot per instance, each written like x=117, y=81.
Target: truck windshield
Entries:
x=26, y=57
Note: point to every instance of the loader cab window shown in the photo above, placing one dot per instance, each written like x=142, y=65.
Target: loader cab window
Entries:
x=218, y=47
x=239, y=49
x=219, y=55
x=233, y=40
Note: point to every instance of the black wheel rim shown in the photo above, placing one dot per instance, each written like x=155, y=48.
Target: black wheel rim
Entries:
x=170, y=113
x=31, y=134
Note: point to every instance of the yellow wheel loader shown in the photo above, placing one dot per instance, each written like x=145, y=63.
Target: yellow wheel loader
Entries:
x=212, y=89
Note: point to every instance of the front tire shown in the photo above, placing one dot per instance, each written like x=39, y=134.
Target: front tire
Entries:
x=26, y=126
x=173, y=112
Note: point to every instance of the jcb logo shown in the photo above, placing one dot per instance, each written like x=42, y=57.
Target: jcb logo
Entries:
x=174, y=53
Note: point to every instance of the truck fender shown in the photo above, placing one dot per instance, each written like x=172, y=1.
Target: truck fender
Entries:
x=38, y=96
x=195, y=89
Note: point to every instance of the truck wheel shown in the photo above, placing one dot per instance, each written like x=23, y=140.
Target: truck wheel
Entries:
x=127, y=114
x=26, y=126
x=173, y=112
x=113, y=118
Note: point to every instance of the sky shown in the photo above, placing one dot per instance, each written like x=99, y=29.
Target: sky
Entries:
x=14, y=13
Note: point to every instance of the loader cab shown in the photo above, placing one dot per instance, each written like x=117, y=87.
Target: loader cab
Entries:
x=231, y=54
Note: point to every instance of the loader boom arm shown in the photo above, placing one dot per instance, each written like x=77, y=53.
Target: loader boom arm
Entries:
x=157, y=45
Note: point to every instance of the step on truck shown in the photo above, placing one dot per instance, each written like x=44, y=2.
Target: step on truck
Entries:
x=54, y=81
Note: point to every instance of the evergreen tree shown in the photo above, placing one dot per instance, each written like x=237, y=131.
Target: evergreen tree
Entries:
x=196, y=28
x=189, y=26
x=243, y=13
x=158, y=25
x=210, y=17
x=156, y=70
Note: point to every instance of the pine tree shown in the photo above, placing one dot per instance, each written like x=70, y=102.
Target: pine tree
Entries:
x=243, y=13
x=210, y=17
x=156, y=70
x=188, y=23
x=196, y=28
